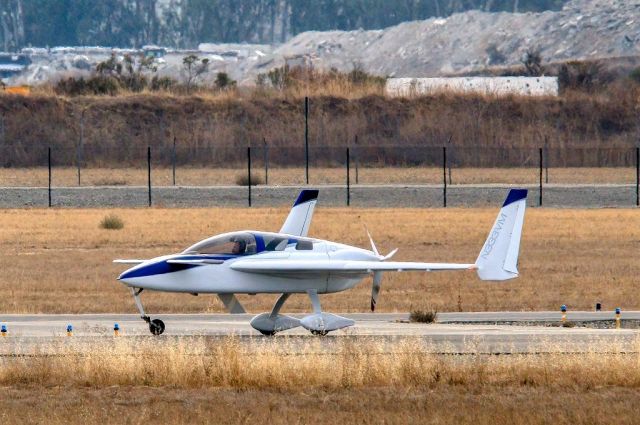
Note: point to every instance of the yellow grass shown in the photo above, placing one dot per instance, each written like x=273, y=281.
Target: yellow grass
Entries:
x=286, y=381
x=59, y=261
x=292, y=363
x=187, y=176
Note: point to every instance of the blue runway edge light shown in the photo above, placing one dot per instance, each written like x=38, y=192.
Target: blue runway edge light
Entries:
x=563, y=308
x=69, y=328
x=116, y=327
x=618, y=310
x=3, y=329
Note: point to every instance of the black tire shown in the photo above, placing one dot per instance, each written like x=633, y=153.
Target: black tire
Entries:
x=267, y=333
x=319, y=333
x=156, y=326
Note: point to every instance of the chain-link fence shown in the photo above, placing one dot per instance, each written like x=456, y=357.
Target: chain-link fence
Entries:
x=603, y=176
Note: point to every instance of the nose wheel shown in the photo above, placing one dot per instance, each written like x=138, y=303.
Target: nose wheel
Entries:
x=156, y=326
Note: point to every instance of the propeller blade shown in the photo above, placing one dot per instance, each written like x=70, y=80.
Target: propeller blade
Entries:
x=389, y=255
x=373, y=245
x=375, y=289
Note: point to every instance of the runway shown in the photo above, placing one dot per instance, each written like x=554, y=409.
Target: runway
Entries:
x=476, y=333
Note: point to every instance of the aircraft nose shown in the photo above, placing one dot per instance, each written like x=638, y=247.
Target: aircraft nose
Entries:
x=124, y=276
x=144, y=270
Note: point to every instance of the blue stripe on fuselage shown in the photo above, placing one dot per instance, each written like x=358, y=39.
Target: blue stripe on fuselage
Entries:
x=162, y=267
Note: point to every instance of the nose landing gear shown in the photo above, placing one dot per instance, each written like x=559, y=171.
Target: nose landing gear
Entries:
x=156, y=326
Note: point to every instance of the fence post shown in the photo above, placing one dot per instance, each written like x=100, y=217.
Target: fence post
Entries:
x=449, y=162
x=357, y=161
x=49, y=164
x=2, y=129
x=637, y=176
x=80, y=143
x=149, y=172
x=266, y=161
x=444, y=176
x=348, y=181
x=306, y=137
x=249, y=171
x=540, y=185
x=173, y=160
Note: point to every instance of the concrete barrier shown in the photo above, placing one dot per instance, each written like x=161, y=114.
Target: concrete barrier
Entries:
x=496, y=86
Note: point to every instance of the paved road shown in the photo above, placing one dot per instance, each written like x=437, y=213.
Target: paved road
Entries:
x=554, y=195
x=27, y=332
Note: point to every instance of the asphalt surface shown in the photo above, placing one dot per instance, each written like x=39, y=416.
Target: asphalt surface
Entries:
x=484, y=333
x=554, y=195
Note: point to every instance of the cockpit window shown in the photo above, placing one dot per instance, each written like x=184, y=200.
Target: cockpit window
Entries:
x=304, y=246
x=231, y=244
x=274, y=243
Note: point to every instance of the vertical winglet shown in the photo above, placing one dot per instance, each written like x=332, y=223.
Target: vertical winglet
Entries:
x=306, y=195
x=299, y=219
x=498, y=259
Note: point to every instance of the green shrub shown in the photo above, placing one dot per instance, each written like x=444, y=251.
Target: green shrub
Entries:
x=112, y=222
x=223, y=81
x=97, y=85
x=423, y=316
x=635, y=75
x=243, y=180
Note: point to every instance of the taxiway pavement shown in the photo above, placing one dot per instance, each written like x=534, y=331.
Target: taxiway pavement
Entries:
x=483, y=332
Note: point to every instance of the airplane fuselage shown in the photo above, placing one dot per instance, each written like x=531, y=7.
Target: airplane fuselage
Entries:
x=216, y=273
x=288, y=262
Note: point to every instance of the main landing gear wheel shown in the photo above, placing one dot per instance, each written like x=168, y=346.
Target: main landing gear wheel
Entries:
x=156, y=326
x=319, y=333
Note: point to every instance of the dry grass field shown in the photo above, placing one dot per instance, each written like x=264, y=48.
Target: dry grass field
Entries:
x=59, y=261
x=445, y=404
x=189, y=176
x=357, y=381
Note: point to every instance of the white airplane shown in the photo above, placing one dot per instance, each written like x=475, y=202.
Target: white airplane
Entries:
x=289, y=262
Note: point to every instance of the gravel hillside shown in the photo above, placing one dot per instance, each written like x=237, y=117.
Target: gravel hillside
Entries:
x=462, y=43
x=473, y=40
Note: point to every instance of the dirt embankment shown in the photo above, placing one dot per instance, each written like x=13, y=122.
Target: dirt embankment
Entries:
x=216, y=130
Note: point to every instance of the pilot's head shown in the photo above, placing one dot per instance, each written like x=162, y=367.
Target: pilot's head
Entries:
x=239, y=246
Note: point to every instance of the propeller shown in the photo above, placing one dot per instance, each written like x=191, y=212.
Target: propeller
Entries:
x=373, y=244
x=377, y=275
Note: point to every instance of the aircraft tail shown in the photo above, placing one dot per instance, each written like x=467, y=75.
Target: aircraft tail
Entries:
x=498, y=259
x=299, y=219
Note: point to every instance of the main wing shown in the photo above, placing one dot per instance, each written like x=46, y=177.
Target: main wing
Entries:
x=342, y=266
x=129, y=261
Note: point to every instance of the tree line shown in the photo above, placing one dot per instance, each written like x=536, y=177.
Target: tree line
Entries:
x=185, y=23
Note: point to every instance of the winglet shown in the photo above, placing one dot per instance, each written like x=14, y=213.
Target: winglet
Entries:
x=514, y=196
x=299, y=219
x=498, y=258
x=306, y=196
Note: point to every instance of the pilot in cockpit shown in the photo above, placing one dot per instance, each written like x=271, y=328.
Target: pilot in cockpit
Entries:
x=239, y=247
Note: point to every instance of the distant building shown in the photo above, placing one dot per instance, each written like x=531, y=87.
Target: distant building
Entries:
x=152, y=51
x=492, y=86
x=11, y=64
